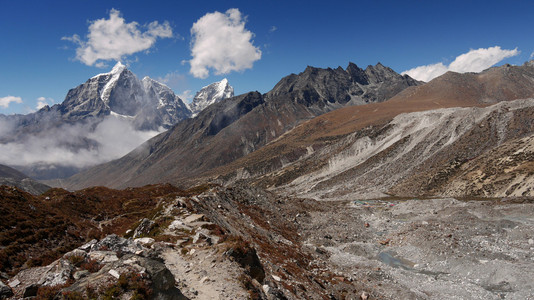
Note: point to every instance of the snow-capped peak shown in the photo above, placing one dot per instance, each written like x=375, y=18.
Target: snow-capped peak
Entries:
x=210, y=94
x=115, y=74
x=118, y=68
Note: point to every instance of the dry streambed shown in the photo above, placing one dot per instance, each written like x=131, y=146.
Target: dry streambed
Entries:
x=430, y=249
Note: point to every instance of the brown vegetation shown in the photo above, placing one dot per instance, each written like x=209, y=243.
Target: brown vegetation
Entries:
x=36, y=230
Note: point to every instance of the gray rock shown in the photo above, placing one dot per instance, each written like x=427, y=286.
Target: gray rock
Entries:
x=116, y=243
x=144, y=228
x=88, y=246
x=179, y=226
x=58, y=273
x=193, y=218
x=80, y=274
x=5, y=291
x=162, y=282
x=103, y=256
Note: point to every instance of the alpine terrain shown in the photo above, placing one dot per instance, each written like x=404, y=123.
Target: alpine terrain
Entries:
x=235, y=127
x=106, y=109
x=343, y=183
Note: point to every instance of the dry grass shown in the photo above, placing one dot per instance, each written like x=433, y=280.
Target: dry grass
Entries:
x=36, y=230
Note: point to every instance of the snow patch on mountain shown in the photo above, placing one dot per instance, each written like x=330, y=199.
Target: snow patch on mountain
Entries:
x=115, y=74
x=210, y=94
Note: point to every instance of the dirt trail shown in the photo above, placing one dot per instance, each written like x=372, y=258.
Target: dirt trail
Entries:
x=205, y=275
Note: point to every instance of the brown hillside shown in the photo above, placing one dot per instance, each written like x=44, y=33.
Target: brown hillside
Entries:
x=450, y=90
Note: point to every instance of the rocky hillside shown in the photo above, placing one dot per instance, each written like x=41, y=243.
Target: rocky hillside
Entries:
x=235, y=127
x=366, y=150
x=242, y=242
x=12, y=177
x=208, y=242
x=36, y=230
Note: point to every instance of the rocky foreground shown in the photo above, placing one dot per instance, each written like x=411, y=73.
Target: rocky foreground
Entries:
x=245, y=243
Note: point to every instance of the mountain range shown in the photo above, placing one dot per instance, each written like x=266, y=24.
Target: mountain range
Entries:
x=235, y=127
x=338, y=183
x=295, y=139
x=99, y=120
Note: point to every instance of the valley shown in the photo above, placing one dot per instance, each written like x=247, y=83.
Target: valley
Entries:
x=336, y=184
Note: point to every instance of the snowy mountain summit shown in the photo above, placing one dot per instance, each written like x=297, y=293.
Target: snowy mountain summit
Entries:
x=149, y=104
x=210, y=94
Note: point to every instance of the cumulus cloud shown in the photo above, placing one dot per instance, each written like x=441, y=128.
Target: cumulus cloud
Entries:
x=72, y=145
x=472, y=61
x=42, y=102
x=221, y=42
x=5, y=101
x=113, y=38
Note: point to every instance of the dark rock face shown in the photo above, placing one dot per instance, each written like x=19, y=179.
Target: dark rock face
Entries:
x=234, y=112
x=5, y=291
x=321, y=87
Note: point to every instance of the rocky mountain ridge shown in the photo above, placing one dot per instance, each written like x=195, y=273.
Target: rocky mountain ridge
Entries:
x=230, y=129
x=108, y=108
x=149, y=103
x=210, y=94
x=361, y=151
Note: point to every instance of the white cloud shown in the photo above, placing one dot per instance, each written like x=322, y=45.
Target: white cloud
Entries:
x=531, y=55
x=5, y=101
x=172, y=79
x=472, y=61
x=273, y=29
x=186, y=96
x=221, y=42
x=113, y=38
x=42, y=102
x=72, y=145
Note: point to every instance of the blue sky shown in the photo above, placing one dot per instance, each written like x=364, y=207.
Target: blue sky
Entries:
x=38, y=53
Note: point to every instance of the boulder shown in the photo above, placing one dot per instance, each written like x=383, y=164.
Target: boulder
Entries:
x=145, y=241
x=144, y=228
x=5, y=291
x=58, y=274
x=194, y=218
x=160, y=279
x=118, y=244
x=103, y=256
x=178, y=225
x=88, y=246
x=80, y=274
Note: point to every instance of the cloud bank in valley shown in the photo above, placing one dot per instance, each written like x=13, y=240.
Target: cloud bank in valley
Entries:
x=221, y=42
x=113, y=38
x=472, y=61
x=72, y=145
